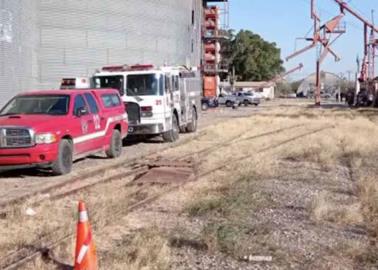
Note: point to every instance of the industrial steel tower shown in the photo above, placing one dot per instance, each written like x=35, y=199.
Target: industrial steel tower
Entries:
x=214, y=31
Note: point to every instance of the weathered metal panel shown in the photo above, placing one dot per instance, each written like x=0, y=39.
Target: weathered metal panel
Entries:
x=18, y=40
x=51, y=39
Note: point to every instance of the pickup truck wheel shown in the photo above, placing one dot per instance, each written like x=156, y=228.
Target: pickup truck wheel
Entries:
x=192, y=126
x=63, y=164
x=246, y=103
x=229, y=103
x=115, y=149
x=173, y=134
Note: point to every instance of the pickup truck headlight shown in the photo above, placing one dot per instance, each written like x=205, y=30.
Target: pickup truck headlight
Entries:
x=45, y=138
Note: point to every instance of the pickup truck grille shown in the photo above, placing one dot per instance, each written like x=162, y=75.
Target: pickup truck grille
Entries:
x=11, y=137
x=133, y=111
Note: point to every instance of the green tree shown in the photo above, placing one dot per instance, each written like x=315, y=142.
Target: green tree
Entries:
x=254, y=58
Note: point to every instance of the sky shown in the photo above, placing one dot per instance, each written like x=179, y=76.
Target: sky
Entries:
x=282, y=21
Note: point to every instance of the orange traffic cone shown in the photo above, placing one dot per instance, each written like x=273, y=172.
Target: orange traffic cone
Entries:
x=85, y=254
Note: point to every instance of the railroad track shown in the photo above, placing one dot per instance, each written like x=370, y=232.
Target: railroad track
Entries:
x=114, y=171
x=86, y=179
x=42, y=247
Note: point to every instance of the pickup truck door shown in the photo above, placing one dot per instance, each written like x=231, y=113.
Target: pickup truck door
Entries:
x=97, y=123
x=83, y=126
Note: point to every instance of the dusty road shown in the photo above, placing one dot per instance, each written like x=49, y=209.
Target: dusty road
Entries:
x=284, y=186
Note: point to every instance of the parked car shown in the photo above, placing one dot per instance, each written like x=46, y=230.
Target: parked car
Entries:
x=207, y=103
x=247, y=98
x=228, y=99
x=53, y=128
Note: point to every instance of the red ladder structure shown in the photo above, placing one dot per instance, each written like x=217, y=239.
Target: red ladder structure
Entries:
x=215, y=24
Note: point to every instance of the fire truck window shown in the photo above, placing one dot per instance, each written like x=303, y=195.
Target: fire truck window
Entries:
x=142, y=85
x=176, y=83
x=92, y=103
x=161, y=85
x=168, y=84
x=79, y=103
x=115, y=82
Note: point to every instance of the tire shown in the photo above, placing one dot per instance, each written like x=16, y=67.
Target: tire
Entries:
x=256, y=104
x=173, y=134
x=246, y=103
x=229, y=103
x=63, y=164
x=115, y=149
x=205, y=106
x=192, y=126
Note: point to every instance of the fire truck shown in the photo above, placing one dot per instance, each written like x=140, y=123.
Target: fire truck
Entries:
x=159, y=100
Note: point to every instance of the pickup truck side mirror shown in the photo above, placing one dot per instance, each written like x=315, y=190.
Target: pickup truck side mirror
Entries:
x=81, y=111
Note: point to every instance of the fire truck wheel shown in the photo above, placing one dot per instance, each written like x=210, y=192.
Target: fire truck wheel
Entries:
x=63, y=165
x=115, y=149
x=173, y=134
x=192, y=126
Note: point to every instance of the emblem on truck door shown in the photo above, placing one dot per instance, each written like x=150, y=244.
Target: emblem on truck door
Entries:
x=84, y=126
x=97, y=121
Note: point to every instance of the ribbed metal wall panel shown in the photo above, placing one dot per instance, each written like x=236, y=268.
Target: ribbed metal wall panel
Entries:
x=64, y=38
x=18, y=40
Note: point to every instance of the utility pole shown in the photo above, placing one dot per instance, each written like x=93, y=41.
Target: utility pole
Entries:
x=349, y=75
x=357, y=84
x=373, y=46
x=233, y=79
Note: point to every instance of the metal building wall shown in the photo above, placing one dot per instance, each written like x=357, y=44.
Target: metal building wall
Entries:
x=18, y=47
x=77, y=37
x=42, y=41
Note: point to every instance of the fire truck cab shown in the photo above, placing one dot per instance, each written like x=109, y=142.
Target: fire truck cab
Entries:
x=159, y=101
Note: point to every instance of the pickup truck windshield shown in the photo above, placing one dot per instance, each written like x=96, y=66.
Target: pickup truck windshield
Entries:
x=143, y=85
x=115, y=82
x=37, y=104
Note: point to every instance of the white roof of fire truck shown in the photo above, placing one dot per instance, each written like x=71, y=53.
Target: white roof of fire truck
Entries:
x=142, y=69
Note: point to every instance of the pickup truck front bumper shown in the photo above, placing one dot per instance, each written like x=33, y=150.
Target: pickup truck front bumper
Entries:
x=38, y=154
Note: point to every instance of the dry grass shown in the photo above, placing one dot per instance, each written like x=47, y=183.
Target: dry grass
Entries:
x=228, y=201
x=145, y=250
x=346, y=144
x=368, y=188
x=324, y=208
x=54, y=219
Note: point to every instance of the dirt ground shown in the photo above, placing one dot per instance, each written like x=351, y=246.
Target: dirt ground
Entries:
x=18, y=183
x=284, y=186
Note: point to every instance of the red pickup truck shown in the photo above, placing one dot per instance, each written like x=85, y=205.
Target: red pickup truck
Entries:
x=53, y=128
